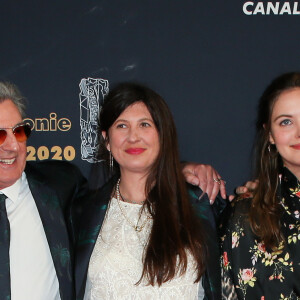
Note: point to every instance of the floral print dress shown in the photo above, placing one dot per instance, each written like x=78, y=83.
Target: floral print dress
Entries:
x=249, y=270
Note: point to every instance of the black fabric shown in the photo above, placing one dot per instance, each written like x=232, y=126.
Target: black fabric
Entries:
x=4, y=251
x=250, y=270
x=54, y=186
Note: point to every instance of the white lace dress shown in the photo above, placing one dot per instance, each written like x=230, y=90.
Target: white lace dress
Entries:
x=116, y=262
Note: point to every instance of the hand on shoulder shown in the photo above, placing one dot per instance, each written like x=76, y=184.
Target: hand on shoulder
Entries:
x=206, y=178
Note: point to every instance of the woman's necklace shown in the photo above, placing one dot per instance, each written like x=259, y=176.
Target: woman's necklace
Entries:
x=136, y=227
x=129, y=201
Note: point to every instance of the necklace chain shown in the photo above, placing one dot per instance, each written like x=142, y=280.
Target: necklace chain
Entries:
x=128, y=200
x=137, y=228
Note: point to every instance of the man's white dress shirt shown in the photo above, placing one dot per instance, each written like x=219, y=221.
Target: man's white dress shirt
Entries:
x=32, y=271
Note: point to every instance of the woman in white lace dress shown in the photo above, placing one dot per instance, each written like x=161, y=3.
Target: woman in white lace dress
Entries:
x=140, y=236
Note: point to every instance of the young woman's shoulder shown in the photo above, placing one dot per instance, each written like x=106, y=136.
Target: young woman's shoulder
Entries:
x=236, y=215
x=241, y=204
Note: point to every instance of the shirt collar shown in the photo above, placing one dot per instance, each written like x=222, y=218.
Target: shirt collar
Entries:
x=12, y=192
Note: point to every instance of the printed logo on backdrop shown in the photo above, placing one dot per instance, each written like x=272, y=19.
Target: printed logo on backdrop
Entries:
x=271, y=8
x=92, y=93
x=53, y=123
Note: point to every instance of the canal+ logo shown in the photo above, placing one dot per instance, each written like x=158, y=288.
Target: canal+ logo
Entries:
x=271, y=8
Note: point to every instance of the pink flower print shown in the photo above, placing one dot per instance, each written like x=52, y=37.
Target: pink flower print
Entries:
x=235, y=241
x=261, y=247
x=296, y=212
x=298, y=194
x=247, y=274
x=225, y=259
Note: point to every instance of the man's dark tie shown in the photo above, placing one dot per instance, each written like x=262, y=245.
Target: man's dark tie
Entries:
x=4, y=251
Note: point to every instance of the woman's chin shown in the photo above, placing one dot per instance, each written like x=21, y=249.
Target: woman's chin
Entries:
x=136, y=168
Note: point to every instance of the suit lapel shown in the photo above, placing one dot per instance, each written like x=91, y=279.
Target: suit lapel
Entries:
x=48, y=205
x=91, y=222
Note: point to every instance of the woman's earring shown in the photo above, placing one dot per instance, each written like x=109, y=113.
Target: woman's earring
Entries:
x=111, y=162
x=272, y=150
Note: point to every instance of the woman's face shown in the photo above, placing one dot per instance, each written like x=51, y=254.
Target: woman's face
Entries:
x=134, y=140
x=285, y=128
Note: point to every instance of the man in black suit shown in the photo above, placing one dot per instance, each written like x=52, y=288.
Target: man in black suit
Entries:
x=35, y=250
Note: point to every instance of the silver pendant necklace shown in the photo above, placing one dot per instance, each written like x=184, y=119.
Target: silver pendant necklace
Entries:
x=137, y=228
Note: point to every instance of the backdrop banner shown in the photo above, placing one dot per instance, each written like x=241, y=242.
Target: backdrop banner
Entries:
x=210, y=60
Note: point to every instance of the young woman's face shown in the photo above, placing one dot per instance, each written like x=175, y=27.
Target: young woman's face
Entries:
x=285, y=128
x=134, y=140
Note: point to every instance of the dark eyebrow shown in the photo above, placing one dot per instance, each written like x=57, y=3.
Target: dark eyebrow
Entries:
x=142, y=119
x=285, y=116
x=146, y=119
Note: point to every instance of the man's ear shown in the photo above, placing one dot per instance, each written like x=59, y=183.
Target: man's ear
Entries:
x=105, y=136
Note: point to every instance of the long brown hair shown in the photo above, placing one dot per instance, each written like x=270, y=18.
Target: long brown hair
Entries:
x=176, y=228
x=265, y=209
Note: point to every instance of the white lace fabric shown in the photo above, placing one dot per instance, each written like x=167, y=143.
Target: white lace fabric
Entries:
x=116, y=262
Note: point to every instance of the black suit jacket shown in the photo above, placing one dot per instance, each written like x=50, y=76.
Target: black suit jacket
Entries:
x=88, y=218
x=54, y=185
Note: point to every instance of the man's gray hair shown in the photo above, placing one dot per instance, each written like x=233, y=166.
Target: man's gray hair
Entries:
x=9, y=91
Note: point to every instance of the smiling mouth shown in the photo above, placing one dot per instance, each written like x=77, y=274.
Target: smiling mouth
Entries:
x=7, y=161
x=135, y=150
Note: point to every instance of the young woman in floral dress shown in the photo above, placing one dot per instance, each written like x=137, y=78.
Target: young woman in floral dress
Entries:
x=260, y=236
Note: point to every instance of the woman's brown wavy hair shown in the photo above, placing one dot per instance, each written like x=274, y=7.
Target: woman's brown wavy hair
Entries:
x=265, y=208
x=176, y=229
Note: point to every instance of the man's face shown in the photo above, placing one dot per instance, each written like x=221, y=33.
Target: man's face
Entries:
x=12, y=153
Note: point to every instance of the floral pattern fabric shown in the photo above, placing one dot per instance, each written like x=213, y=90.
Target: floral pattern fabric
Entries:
x=249, y=269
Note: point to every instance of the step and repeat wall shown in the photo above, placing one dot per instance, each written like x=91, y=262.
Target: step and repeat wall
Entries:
x=210, y=60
